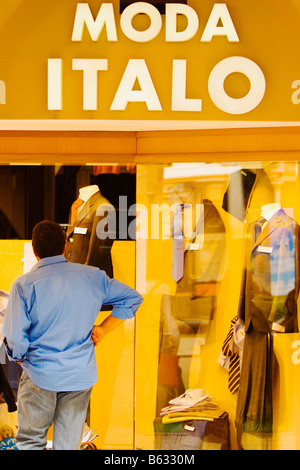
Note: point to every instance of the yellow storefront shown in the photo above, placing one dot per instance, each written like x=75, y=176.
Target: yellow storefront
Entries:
x=181, y=98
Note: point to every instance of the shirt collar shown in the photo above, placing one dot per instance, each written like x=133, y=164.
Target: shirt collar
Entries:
x=50, y=260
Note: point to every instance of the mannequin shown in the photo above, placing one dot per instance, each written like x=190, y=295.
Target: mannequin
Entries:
x=87, y=192
x=268, y=302
x=83, y=242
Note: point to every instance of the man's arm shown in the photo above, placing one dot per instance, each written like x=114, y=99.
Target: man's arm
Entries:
x=125, y=302
x=124, y=299
x=109, y=324
x=16, y=324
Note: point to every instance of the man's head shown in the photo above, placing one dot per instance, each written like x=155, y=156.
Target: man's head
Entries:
x=48, y=239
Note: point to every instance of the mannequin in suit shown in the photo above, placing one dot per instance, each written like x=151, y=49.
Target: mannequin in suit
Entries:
x=274, y=260
x=268, y=302
x=197, y=290
x=190, y=310
x=84, y=245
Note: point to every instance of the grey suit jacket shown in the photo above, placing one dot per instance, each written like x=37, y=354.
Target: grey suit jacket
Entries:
x=196, y=294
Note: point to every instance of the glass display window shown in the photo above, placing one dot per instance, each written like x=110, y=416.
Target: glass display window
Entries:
x=211, y=360
x=98, y=236
x=213, y=293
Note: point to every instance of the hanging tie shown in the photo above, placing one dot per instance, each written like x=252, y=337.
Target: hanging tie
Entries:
x=178, y=245
x=258, y=226
x=234, y=373
x=234, y=359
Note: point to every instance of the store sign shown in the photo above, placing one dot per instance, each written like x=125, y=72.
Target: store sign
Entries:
x=198, y=61
x=137, y=70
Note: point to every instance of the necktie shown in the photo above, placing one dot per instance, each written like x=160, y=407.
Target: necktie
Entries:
x=178, y=245
x=258, y=226
x=234, y=373
x=234, y=359
x=75, y=209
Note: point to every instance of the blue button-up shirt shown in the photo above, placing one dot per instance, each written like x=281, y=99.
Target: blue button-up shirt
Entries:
x=49, y=319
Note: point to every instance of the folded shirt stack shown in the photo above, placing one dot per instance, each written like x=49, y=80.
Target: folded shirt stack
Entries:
x=193, y=404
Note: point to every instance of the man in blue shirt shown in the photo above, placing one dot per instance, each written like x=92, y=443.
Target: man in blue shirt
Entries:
x=49, y=329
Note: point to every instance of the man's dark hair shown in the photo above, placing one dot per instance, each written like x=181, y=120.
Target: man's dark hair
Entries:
x=48, y=239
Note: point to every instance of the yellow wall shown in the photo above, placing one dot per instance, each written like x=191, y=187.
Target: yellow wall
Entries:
x=11, y=262
x=112, y=401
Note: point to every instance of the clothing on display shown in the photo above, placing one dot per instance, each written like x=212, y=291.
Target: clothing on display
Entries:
x=190, y=399
x=271, y=278
x=87, y=243
x=232, y=352
x=215, y=253
x=190, y=435
x=191, y=308
x=268, y=303
x=192, y=421
x=195, y=298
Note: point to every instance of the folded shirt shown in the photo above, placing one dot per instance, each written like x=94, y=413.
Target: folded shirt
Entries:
x=192, y=400
x=204, y=415
x=189, y=397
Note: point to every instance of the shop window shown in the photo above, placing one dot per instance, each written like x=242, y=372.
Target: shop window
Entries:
x=33, y=193
x=101, y=235
x=216, y=285
x=207, y=286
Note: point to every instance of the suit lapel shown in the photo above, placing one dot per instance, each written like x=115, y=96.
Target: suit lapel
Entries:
x=86, y=208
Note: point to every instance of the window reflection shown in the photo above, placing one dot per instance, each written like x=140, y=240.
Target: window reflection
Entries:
x=197, y=263
x=29, y=194
x=217, y=287
x=32, y=193
x=215, y=290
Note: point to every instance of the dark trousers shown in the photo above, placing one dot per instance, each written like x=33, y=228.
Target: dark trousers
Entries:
x=254, y=412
